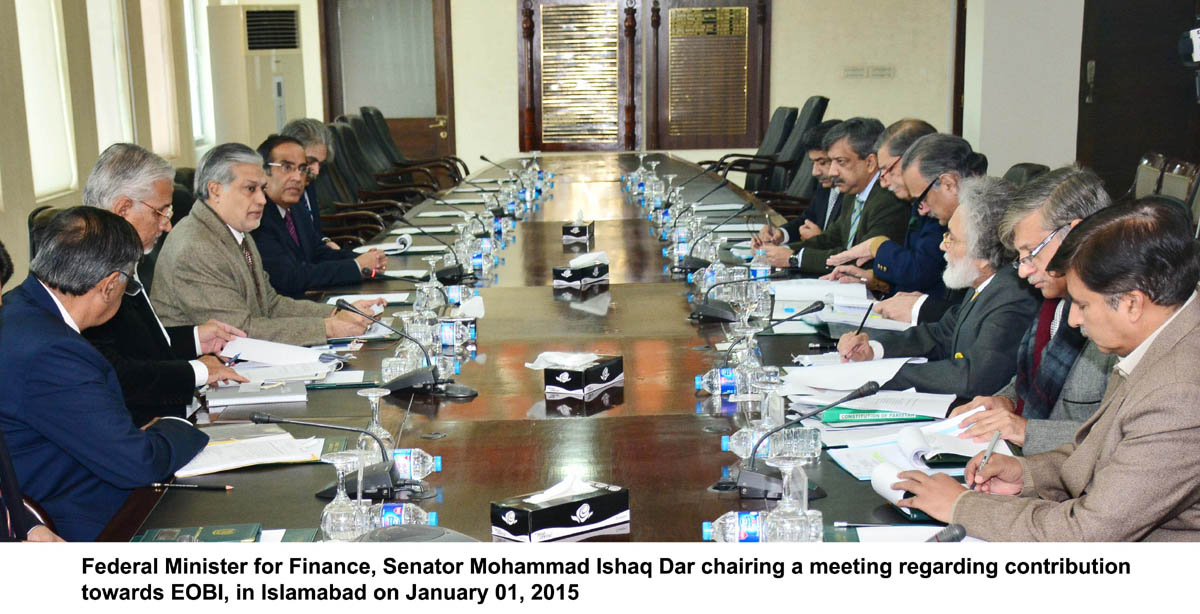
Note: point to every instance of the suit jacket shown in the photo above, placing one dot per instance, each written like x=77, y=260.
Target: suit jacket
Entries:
x=1079, y=399
x=155, y=376
x=309, y=205
x=296, y=268
x=972, y=350
x=818, y=205
x=915, y=263
x=203, y=274
x=882, y=214
x=73, y=444
x=935, y=307
x=1130, y=471
x=22, y=521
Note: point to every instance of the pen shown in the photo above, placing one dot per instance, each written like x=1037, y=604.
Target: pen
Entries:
x=192, y=486
x=841, y=524
x=269, y=385
x=230, y=362
x=864, y=320
x=987, y=455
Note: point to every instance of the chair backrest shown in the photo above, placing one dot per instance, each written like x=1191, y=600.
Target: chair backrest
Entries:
x=186, y=177
x=1022, y=173
x=792, y=149
x=376, y=121
x=349, y=159
x=182, y=199
x=803, y=183
x=778, y=131
x=369, y=141
x=1147, y=178
x=37, y=218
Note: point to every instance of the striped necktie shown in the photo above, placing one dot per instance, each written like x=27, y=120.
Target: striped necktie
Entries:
x=250, y=263
x=854, y=220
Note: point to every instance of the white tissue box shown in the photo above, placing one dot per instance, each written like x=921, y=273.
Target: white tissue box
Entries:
x=585, y=379
x=580, y=232
x=515, y=519
x=567, y=277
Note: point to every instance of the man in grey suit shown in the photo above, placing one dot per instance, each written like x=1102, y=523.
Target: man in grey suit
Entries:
x=970, y=349
x=1129, y=473
x=210, y=267
x=1061, y=375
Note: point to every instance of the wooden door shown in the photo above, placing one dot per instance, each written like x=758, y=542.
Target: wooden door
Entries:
x=394, y=55
x=1135, y=95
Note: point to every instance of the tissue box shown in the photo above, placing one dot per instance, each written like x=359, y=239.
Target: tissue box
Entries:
x=566, y=277
x=515, y=519
x=578, y=295
x=590, y=404
x=573, y=232
x=579, y=381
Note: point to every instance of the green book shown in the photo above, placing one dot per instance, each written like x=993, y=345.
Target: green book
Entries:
x=248, y=532
x=839, y=415
x=299, y=535
x=370, y=379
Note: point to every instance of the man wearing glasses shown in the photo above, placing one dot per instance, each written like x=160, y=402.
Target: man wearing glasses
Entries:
x=159, y=367
x=1061, y=375
x=969, y=350
x=293, y=254
x=73, y=445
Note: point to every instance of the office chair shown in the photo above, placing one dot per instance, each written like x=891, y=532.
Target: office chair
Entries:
x=778, y=130
x=374, y=119
x=774, y=172
x=1022, y=173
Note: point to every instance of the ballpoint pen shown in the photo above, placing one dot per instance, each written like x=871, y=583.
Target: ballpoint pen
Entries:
x=987, y=455
x=231, y=361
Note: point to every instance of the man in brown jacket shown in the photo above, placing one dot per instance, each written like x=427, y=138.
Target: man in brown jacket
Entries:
x=1130, y=471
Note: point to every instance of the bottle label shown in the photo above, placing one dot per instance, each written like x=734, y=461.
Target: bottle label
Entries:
x=404, y=458
x=759, y=272
x=749, y=525
x=728, y=380
x=391, y=514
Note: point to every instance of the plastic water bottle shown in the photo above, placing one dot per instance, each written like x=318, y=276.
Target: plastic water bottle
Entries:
x=734, y=527
x=415, y=464
x=742, y=441
x=457, y=294
x=393, y=514
x=718, y=381
x=760, y=267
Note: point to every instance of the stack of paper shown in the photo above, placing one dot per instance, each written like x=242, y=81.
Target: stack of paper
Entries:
x=409, y=230
x=270, y=352
x=717, y=207
x=392, y=298
x=845, y=376
x=809, y=290
x=258, y=372
x=257, y=393
x=224, y=456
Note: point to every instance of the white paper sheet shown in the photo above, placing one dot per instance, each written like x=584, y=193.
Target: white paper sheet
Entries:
x=392, y=298
x=345, y=377
x=900, y=449
x=270, y=352
x=794, y=327
x=816, y=290
x=409, y=230
x=219, y=457
x=904, y=533
x=406, y=273
x=846, y=376
x=426, y=249
x=255, y=393
x=906, y=401
x=738, y=227
x=390, y=249
x=441, y=214
x=874, y=321
x=704, y=208
x=282, y=373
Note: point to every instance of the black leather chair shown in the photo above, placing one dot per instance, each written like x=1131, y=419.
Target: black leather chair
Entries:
x=374, y=120
x=778, y=130
x=776, y=171
x=339, y=191
x=354, y=170
x=1022, y=173
x=37, y=218
x=439, y=173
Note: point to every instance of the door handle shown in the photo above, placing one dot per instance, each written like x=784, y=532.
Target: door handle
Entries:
x=439, y=121
x=1090, y=77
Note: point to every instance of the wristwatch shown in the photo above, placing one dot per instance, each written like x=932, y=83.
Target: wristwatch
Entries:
x=793, y=262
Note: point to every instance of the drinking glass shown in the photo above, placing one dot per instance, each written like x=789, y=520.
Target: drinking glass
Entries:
x=376, y=427
x=790, y=521
x=342, y=520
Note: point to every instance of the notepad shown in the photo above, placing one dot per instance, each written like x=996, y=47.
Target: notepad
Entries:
x=217, y=457
x=426, y=249
x=392, y=298
x=409, y=230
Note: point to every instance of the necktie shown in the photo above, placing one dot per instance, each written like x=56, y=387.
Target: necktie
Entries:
x=290, y=221
x=250, y=263
x=854, y=220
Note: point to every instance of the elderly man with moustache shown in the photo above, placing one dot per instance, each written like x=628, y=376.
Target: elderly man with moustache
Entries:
x=1129, y=472
x=294, y=257
x=211, y=267
x=1061, y=375
x=159, y=367
x=970, y=349
x=867, y=209
x=73, y=444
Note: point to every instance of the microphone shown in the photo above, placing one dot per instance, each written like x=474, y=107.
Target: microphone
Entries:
x=703, y=171
x=720, y=185
x=721, y=311
x=465, y=212
x=447, y=275
x=813, y=308
x=503, y=168
x=952, y=533
x=767, y=483
x=426, y=377
x=692, y=263
x=379, y=481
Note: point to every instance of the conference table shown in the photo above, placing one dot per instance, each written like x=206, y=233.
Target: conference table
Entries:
x=653, y=436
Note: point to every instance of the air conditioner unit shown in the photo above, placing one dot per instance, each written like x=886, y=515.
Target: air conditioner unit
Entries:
x=257, y=70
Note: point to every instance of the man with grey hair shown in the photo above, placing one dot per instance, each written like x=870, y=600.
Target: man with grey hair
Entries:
x=1061, y=374
x=73, y=445
x=969, y=350
x=159, y=367
x=210, y=267
x=314, y=136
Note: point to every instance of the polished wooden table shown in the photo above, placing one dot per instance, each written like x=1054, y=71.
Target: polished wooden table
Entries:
x=510, y=440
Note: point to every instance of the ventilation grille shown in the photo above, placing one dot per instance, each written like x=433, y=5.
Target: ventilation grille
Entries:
x=272, y=30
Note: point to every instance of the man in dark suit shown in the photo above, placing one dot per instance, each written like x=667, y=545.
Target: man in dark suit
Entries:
x=16, y=522
x=970, y=351
x=159, y=367
x=293, y=254
x=867, y=209
x=825, y=204
x=314, y=136
x=73, y=444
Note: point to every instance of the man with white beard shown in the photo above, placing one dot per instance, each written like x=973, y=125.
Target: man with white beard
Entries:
x=971, y=349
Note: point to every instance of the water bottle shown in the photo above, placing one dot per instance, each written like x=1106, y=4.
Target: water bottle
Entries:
x=742, y=442
x=734, y=527
x=760, y=267
x=457, y=294
x=718, y=381
x=415, y=464
x=453, y=332
x=394, y=514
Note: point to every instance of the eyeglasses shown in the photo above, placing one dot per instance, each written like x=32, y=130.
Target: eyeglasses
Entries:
x=889, y=168
x=288, y=168
x=166, y=212
x=132, y=286
x=929, y=187
x=1038, y=249
x=948, y=239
